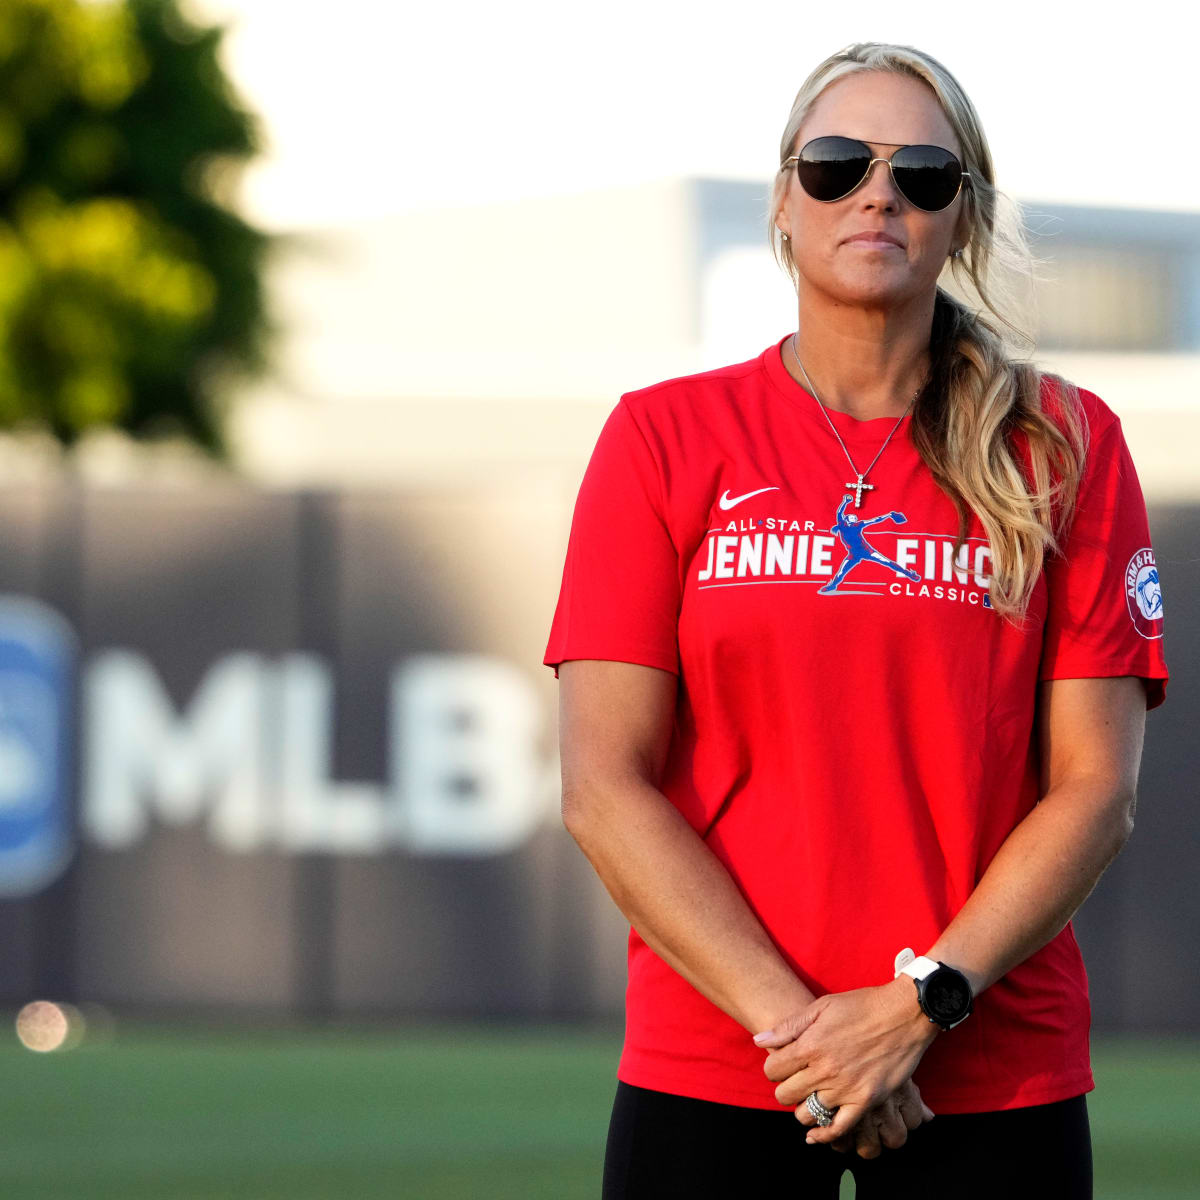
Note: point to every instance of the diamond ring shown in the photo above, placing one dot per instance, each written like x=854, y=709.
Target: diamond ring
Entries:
x=823, y=1115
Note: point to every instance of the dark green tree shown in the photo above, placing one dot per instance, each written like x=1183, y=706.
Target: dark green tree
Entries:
x=130, y=292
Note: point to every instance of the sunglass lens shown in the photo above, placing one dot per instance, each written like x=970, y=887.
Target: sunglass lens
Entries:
x=829, y=167
x=928, y=175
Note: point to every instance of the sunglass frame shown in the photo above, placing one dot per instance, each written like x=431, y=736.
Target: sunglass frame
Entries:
x=872, y=160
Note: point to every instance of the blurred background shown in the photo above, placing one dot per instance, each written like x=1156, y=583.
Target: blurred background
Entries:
x=309, y=320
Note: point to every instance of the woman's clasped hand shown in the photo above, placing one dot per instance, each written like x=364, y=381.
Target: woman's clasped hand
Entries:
x=858, y=1051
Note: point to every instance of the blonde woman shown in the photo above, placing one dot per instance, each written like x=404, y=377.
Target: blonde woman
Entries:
x=855, y=644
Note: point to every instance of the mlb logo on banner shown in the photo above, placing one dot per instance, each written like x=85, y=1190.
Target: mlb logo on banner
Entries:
x=38, y=651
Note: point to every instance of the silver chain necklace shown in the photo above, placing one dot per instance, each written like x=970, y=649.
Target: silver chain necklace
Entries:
x=859, y=485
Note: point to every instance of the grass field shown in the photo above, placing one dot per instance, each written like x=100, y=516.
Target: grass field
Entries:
x=428, y=1114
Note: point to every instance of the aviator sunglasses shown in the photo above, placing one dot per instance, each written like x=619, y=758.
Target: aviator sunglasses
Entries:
x=830, y=168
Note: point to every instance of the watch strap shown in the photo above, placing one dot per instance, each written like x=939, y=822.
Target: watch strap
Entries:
x=909, y=963
x=920, y=967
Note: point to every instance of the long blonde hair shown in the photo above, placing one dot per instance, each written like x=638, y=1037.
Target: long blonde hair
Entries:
x=982, y=387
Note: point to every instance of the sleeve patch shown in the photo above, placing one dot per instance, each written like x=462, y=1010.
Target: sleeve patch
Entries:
x=1143, y=593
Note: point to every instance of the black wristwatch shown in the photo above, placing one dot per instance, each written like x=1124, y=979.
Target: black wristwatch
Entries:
x=943, y=993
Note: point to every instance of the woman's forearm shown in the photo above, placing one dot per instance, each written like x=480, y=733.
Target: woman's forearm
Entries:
x=1040, y=876
x=683, y=902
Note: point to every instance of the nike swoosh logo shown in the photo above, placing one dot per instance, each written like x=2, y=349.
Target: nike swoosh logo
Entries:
x=728, y=502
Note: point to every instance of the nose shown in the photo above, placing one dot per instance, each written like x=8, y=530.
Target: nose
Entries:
x=879, y=187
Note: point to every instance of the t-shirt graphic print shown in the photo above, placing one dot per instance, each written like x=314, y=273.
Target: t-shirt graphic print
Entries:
x=854, y=728
x=739, y=551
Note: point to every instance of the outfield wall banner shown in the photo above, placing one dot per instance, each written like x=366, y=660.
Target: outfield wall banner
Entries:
x=295, y=753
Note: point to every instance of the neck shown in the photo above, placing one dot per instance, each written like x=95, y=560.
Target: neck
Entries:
x=866, y=362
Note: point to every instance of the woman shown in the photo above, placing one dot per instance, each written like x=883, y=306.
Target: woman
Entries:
x=855, y=643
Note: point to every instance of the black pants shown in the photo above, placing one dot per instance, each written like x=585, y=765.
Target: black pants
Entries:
x=661, y=1145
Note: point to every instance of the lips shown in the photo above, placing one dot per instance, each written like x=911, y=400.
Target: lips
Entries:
x=874, y=238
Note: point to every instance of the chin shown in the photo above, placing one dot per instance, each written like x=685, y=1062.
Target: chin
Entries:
x=876, y=292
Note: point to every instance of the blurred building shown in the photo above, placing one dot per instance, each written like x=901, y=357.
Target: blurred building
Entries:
x=490, y=343
x=285, y=742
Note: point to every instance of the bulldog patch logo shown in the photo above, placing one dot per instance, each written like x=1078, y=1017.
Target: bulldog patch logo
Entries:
x=1143, y=594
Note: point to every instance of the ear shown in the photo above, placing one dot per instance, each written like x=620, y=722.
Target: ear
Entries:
x=962, y=229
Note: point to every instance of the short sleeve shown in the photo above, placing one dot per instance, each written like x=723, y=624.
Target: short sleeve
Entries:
x=1104, y=595
x=621, y=587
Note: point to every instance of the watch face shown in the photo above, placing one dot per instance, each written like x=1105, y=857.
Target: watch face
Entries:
x=947, y=996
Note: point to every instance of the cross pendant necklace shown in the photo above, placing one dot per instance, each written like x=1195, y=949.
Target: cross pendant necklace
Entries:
x=859, y=486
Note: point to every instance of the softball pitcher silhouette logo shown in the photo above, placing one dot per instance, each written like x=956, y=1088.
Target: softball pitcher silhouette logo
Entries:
x=850, y=530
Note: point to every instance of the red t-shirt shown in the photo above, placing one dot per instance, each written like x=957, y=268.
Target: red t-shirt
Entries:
x=854, y=757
